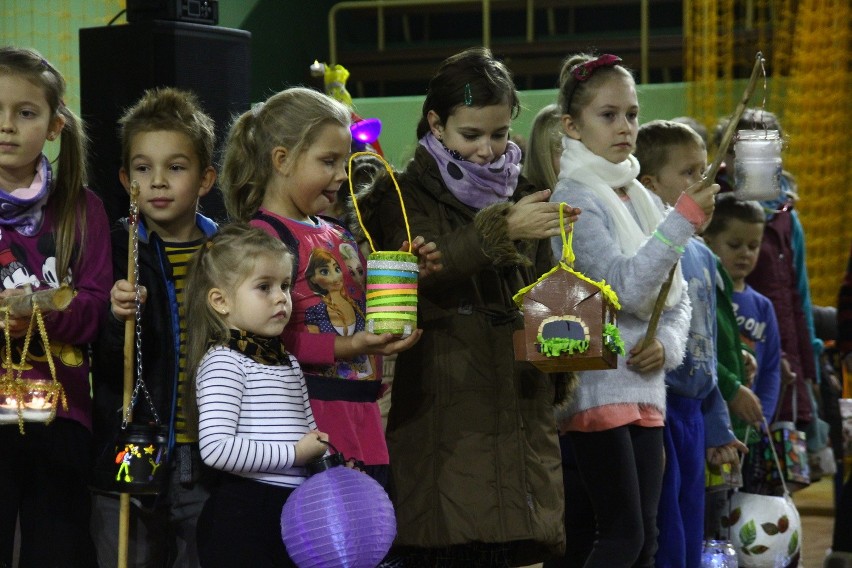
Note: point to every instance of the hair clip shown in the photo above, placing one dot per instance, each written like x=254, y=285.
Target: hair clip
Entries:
x=468, y=96
x=582, y=71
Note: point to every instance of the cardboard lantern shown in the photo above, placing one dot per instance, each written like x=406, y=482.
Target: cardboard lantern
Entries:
x=391, y=275
x=569, y=320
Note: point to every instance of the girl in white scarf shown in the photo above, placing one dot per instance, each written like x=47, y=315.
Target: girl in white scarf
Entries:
x=613, y=426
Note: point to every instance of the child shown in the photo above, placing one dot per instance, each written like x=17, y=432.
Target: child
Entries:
x=541, y=160
x=735, y=234
x=475, y=460
x=284, y=163
x=254, y=417
x=615, y=418
x=673, y=157
x=52, y=232
x=167, y=146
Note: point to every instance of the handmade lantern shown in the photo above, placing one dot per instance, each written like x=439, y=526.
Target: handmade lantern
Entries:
x=39, y=400
x=392, y=293
x=23, y=399
x=765, y=530
x=391, y=276
x=718, y=554
x=132, y=463
x=569, y=319
x=10, y=394
x=338, y=518
x=757, y=165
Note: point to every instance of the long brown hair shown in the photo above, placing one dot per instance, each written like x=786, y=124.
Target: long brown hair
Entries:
x=68, y=195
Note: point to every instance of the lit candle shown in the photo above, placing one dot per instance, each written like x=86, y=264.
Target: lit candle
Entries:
x=38, y=402
x=9, y=402
x=317, y=69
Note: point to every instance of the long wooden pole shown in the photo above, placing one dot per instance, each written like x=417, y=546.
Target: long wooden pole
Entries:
x=709, y=179
x=129, y=334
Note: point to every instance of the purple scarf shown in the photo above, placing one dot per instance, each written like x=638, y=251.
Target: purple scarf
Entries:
x=25, y=214
x=474, y=185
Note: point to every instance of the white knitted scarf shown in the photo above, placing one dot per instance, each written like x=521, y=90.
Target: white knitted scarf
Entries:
x=602, y=177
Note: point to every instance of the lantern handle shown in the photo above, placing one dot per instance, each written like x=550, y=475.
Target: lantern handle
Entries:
x=398, y=191
x=567, y=239
x=331, y=460
x=765, y=427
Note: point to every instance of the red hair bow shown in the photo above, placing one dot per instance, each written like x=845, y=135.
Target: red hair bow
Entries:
x=582, y=71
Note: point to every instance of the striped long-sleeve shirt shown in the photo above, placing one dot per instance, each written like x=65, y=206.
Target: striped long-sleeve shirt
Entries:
x=251, y=415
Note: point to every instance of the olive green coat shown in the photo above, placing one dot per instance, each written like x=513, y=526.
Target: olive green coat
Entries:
x=473, y=443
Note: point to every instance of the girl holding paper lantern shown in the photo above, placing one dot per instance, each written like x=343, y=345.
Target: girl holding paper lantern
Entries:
x=615, y=419
x=53, y=231
x=474, y=453
x=284, y=162
x=254, y=417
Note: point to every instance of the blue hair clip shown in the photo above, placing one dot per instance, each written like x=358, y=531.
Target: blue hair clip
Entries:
x=468, y=96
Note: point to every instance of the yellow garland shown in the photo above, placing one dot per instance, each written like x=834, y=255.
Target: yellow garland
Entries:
x=14, y=383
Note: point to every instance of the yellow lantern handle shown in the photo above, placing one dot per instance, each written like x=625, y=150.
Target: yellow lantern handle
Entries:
x=398, y=191
x=567, y=239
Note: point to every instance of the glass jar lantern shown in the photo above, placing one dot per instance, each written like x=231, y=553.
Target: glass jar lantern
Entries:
x=719, y=554
x=757, y=165
x=9, y=397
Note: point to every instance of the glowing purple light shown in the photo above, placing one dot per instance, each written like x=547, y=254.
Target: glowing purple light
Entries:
x=366, y=131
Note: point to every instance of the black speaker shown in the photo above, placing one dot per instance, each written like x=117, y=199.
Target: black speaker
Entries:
x=197, y=11
x=118, y=63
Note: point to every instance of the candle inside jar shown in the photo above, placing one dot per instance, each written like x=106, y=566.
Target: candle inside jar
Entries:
x=37, y=402
x=9, y=402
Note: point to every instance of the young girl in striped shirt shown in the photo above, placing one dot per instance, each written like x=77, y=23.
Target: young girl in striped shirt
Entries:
x=255, y=423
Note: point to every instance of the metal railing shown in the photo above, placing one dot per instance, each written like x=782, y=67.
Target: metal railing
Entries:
x=380, y=5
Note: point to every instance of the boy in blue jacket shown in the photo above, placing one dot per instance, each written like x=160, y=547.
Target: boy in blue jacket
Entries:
x=167, y=146
x=672, y=158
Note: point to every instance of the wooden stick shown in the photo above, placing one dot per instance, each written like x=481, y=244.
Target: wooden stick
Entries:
x=658, y=309
x=709, y=179
x=52, y=300
x=731, y=129
x=129, y=330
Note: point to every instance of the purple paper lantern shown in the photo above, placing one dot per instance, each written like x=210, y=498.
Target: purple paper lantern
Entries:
x=338, y=518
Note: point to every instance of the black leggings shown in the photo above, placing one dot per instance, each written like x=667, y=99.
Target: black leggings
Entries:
x=240, y=525
x=613, y=481
x=43, y=477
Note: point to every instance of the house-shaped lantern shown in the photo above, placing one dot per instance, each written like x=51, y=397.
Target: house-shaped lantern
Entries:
x=569, y=321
